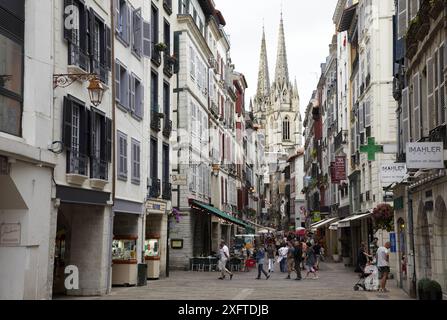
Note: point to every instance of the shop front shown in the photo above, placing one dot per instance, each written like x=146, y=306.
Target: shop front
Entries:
x=127, y=243
x=155, y=248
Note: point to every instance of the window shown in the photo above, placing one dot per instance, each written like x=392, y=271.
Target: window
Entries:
x=100, y=128
x=192, y=57
x=136, y=97
x=184, y=7
x=154, y=21
x=167, y=35
x=286, y=129
x=123, y=84
x=122, y=156
x=166, y=101
x=137, y=32
x=154, y=159
x=136, y=175
x=417, y=120
x=440, y=84
x=154, y=91
x=166, y=163
x=123, y=18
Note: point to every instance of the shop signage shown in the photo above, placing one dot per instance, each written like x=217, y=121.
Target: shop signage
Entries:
x=316, y=216
x=179, y=179
x=392, y=172
x=425, y=155
x=340, y=168
x=399, y=203
x=154, y=207
x=10, y=234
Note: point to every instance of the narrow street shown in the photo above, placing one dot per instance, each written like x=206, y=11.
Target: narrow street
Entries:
x=335, y=283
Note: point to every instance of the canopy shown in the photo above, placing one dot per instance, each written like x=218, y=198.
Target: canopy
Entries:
x=222, y=215
x=346, y=223
x=322, y=223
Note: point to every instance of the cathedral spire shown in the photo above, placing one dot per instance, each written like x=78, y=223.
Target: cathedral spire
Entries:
x=263, y=75
x=281, y=72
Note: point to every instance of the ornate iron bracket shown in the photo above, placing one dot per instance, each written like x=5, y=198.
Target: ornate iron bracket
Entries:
x=65, y=80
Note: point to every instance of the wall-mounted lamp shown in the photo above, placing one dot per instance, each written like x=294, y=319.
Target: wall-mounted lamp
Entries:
x=95, y=87
x=216, y=169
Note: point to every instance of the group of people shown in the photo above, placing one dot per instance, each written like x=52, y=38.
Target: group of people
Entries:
x=375, y=266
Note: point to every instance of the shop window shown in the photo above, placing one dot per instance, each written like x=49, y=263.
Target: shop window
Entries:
x=11, y=68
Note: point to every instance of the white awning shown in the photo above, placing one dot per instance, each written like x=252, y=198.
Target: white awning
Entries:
x=346, y=223
x=322, y=223
x=333, y=226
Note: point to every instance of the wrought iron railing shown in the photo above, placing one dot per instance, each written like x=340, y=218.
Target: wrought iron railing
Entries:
x=154, y=189
x=155, y=121
x=77, y=163
x=100, y=70
x=156, y=57
x=214, y=109
x=167, y=191
x=99, y=169
x=340, y=139
x=167, y=128
x=77, y=57
x=439, y=134
x=168, y=64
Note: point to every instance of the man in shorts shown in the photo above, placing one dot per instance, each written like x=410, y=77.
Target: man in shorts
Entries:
x=383, y=263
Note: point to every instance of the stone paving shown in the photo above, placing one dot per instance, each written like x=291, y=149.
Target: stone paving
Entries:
x=335, y=283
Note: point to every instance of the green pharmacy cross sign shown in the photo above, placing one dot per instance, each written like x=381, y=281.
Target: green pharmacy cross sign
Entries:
x=371, y=149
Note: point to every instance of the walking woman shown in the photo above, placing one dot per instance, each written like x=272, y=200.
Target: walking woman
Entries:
x=310, y=261
x=260, y=258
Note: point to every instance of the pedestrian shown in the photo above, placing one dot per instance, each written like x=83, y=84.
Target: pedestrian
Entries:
x=310, y=261
x=317, y=251
x=290, y=259
x=224, y=255
x=383, y=263
x=271, y=256
x=304, y=248
x=362, y=258
x=297, y=257
x=260, y=257
x=374, y=247
x=282, y=260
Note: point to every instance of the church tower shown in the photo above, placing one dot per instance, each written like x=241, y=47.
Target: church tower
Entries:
x=276, y=105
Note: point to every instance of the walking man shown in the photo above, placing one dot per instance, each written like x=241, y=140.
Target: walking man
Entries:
x=260, y=257
x=290, y=259
x=283, y=257
x=310, y=261
x=271, y=250
x=224, y=254
x=383, y=263
x=297, y=257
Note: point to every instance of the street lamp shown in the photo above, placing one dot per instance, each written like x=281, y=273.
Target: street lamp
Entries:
x=95, y=87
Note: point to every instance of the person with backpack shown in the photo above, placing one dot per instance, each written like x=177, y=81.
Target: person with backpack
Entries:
x=317, y=252
x=260, y=258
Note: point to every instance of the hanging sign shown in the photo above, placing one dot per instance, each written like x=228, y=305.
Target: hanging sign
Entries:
x=392, y=172
x=425, y=155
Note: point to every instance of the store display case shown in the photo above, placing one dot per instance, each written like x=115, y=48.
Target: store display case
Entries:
x=124, y=259
x=152, y=256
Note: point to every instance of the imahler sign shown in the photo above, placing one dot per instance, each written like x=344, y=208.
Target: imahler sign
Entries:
x=392, y=172
x=425, y=155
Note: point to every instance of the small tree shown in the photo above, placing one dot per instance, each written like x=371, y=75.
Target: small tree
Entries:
x=383, y=216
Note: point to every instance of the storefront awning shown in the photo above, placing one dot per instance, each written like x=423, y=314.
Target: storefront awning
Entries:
x=333, y=226
x=346, y=223
x=221, y=214
x=322, y=223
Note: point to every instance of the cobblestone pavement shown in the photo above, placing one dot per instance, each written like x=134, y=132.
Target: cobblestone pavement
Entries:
x=335, y=283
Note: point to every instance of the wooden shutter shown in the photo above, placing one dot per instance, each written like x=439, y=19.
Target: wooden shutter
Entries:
x=125, y=99
x=416, y=107
x=117, y=17
x=125, y=155
x=139, y=96
x=147, y=44
x=69, y=15
x=92, y=126
x=405, y=117
x=402, y=19
x=430, y=97
x=92, y=38
x=367, y=114
x=137, y=34
x=128, y=23
x=108, y=52
x=132, y=84
x=103, y=139
x=67, y=122
x=361, y=118
x=109, y=136
x=117, y=82
x=84, y=130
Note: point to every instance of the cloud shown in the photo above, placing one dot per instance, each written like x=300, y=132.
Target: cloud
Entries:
x=308, y=30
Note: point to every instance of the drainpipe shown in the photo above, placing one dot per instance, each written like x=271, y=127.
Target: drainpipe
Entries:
x=411, y=234
x=112, y=215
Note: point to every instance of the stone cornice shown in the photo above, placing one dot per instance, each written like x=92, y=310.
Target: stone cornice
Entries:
x=192, y=27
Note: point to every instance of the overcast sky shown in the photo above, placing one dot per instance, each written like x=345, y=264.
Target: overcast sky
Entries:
x=308, y=30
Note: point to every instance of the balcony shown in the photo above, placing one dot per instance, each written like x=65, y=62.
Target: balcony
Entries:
x=167, y=191
x=214, y=110
x=99, y=169
x=168, y=64
x=439, y=134
x=77, y=57
x=167, y=129
x=101, y=71
x=167, y=5
x=155, y=121
x=154, y=189
x=340, y=139
x=77, y=163
x=156, y=57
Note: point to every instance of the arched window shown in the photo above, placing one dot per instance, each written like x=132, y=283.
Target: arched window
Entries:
x=286, y=129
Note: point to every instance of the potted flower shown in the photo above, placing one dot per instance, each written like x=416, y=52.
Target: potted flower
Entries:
x=161, y=46
x=383, y=216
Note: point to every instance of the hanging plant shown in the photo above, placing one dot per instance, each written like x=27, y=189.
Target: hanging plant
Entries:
x=383, y=216
x=161, y=46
